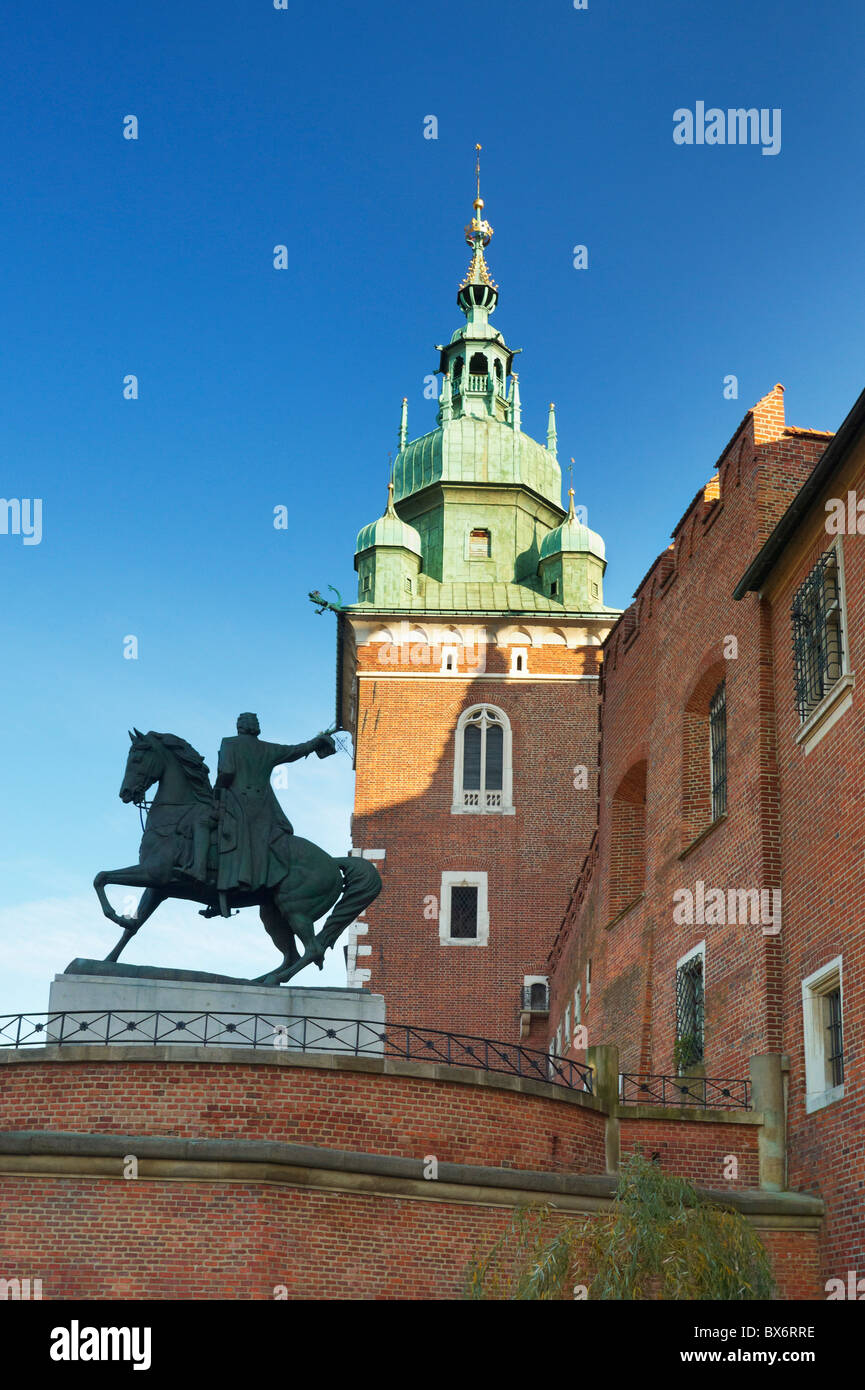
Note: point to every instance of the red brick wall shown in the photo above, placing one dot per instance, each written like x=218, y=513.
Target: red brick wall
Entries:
x=822, y=839
x=395, y=1115
x=404, y=794
x=682, y=614
x=97, y=1238
x=697, y=1150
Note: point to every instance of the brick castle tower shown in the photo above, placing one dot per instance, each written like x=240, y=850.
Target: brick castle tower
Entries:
x=468, y=678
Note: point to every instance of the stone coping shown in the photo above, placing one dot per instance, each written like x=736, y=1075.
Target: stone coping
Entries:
x=51, y=1154
x=114, y=1053
x=689, y=1112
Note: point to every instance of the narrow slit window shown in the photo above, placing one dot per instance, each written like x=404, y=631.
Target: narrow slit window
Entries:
x=718, y=740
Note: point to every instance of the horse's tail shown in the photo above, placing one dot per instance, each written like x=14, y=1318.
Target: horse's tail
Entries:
x=362, y=884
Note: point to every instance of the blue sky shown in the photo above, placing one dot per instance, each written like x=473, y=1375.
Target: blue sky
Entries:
x=260, y=387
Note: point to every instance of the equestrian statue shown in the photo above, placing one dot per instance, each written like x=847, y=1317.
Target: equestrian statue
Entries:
x=232, y=846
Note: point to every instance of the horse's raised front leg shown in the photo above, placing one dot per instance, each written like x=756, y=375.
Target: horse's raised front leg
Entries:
x=147, y=905
x=132, y=877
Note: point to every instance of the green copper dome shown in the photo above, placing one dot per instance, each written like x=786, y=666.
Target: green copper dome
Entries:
x=472, y=449
x=572, y=538
x=388, y=530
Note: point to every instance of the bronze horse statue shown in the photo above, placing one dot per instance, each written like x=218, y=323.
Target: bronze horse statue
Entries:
x=182, y=809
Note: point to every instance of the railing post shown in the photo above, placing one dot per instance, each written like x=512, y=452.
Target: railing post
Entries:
x=767, y=1095
x=604, y=1062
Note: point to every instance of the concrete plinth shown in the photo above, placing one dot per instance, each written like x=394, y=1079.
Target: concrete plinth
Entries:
x=187, y=1012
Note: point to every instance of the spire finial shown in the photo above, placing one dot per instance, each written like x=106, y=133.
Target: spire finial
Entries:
x=572, y=516
x=478, y=234
x=552, y=441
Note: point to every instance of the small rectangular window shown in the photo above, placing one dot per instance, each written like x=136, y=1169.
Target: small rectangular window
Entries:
x=367, y=583
x=464, y=911
x=408, y=585
x=554, y=587
x=479, y=545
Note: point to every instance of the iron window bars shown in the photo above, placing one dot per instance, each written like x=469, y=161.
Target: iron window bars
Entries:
x=718, y=740
x=816, y=630
x=689, y=1012
x=835, y=1050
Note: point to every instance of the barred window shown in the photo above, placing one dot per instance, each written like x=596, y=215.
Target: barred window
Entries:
x=817, y=638
x=464, y=911
x=718, y=741
x=822, y=994
x=689, y=1011
x=464, y=916
x=834, y=1040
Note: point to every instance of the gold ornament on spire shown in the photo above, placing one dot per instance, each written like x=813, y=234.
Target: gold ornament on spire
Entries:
x=478, y=234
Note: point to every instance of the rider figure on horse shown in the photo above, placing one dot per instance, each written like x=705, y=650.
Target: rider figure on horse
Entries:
x=253, y=835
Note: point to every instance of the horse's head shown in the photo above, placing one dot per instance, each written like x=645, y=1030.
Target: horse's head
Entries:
x=143, y=767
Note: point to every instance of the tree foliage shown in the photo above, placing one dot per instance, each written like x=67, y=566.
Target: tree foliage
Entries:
x=658, y=1241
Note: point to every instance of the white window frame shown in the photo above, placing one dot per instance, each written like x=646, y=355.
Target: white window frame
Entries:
x=578, y=1004
x=567, y=1027
x=452, y=653
x=588, y=981
x=814, y=989
x=506, y=808
x=529, y=980
x=519, y=654
x=464, y=878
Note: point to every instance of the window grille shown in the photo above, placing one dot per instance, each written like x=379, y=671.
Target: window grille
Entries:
x=816, y=630
x=464, y=910
x=689, y=1012
x=835, y=1048
x=536, y=997
x=718, y=737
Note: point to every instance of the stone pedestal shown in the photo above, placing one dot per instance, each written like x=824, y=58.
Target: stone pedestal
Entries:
x=191, y=1009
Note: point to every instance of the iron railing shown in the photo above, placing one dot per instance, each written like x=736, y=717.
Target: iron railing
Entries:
x=296, y=1033
x=709, y=1093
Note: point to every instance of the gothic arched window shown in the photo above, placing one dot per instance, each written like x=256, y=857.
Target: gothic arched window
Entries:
x=483, y=772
